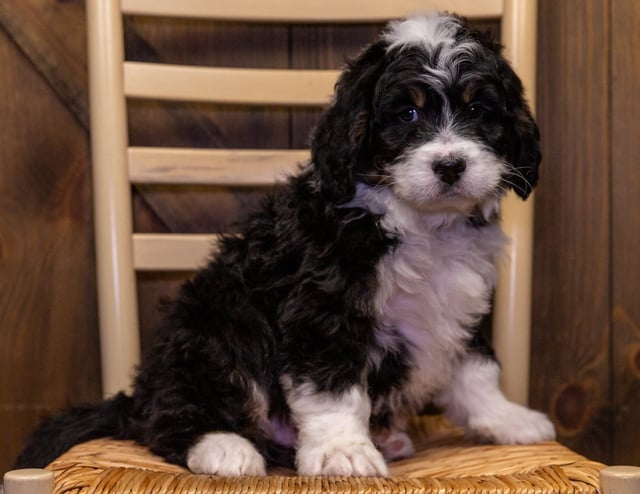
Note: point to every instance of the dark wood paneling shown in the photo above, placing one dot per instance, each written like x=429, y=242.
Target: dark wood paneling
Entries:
x=322, y=47
x=48, y=329
x=571, y=326
x=625, y=236
x=42, y=30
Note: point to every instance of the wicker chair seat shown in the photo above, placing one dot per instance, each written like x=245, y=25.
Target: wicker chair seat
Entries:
x=445, y=462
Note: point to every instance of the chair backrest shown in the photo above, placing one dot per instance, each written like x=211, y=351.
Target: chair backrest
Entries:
x=116, y=165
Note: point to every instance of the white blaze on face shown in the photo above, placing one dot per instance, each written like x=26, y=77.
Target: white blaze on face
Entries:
x=437, y=35
x=426, y=31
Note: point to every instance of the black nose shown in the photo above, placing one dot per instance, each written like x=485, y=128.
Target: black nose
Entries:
x=449, y=170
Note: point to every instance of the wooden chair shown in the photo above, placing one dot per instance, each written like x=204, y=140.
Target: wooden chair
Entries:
x=445, y=461
x=116, y=166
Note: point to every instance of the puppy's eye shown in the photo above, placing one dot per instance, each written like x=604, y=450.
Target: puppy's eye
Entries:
x=477, y=109
x=408, y=115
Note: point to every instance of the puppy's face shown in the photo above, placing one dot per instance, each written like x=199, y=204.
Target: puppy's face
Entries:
x=434, y=112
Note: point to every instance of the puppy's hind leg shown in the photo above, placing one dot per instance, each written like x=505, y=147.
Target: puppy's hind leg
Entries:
x=212, y=423
x=225, y=454
x=232, y=449
x=474, y=401
x=228, y=453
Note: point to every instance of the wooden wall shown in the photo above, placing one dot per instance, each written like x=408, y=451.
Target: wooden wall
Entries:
x=48, y=339
x=586, y=322
x=572, y=333
x=586, y=356
x=625, y=229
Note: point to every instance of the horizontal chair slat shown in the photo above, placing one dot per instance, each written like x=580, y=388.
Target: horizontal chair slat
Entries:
x=312, y=11
x=239, y=167
x=229, y=85
x=172, y=252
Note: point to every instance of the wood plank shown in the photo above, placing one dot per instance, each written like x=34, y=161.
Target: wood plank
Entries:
x=229, y=85
x=571, y=332
x=48, y=341
x=323, y=47
x=172, y=252
x=315, y=11
x=233, y=167
x=41, y=29
x=625, y=234
x=18, y=421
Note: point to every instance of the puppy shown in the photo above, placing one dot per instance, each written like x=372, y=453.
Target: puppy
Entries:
x=353, y=296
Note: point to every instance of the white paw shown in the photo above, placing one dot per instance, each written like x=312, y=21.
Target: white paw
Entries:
x=513, y=424
x=225, y=454
x=395, y=445
x=355, y=456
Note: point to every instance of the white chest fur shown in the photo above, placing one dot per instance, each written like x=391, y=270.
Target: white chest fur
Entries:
x=432, y=289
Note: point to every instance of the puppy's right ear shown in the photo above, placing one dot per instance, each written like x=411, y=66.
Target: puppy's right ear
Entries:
x=341, y=134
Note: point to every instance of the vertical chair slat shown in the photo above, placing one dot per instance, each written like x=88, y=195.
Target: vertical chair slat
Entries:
x=118, y=310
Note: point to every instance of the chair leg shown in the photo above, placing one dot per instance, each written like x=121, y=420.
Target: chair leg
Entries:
x=620, y=480
x=28, y=481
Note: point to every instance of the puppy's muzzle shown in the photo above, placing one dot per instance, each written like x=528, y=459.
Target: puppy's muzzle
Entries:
x=449, y=170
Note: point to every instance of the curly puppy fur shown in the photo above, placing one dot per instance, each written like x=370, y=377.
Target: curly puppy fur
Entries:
x=353, y=296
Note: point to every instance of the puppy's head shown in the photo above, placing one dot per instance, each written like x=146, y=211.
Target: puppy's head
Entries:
x=432, y=111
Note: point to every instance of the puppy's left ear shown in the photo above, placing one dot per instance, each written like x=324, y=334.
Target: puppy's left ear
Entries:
x=523, y=148
x=339, y=140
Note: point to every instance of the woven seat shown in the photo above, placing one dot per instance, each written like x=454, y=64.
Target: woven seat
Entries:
x=445, y=462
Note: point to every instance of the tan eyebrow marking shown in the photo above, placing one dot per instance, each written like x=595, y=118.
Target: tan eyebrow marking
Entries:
x=468, y=94
x=417, y=96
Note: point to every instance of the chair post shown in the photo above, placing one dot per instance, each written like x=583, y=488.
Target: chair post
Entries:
x=28, y=481
x=118, y=313
x=512, y=311
x=620, y=479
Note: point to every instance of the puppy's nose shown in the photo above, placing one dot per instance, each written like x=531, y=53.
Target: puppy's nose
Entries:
x=449, y=170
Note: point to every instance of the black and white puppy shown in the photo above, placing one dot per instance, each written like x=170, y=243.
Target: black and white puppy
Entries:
x=353, y=296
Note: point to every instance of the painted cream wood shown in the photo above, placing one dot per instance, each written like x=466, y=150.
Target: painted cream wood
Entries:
x=172, y=252
x=313, y=11
x=229, y=85
x=118, y=310
x=512, y=307
x=244, y=167
x=28, y=481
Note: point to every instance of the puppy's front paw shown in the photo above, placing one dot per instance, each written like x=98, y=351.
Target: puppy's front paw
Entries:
x=225, y=454
x=513, y=424
x=341, y=457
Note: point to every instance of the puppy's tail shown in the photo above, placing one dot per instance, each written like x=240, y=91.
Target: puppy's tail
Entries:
x=59, y=433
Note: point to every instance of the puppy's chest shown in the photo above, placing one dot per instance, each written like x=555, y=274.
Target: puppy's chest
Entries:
x=432, y=290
